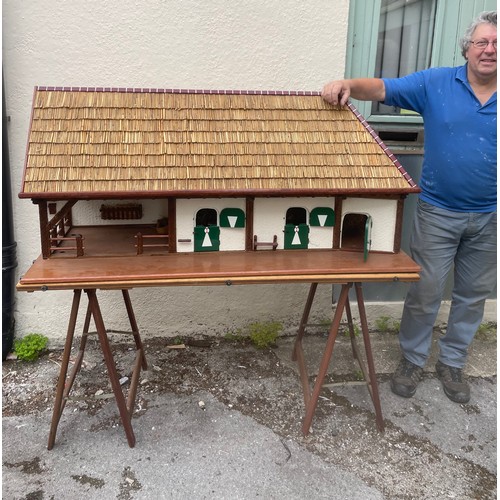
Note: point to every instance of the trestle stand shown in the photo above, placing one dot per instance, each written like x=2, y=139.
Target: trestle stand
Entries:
x=65, y=382
x=311, y=396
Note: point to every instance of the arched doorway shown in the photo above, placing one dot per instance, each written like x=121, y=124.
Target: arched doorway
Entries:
x=296, y=229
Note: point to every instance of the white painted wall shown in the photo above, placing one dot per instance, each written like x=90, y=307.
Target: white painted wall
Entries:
x=226, y=44
x=269, y=219
x=383, y=214
x=230, y=238
x=216, y=44
x=87, y=212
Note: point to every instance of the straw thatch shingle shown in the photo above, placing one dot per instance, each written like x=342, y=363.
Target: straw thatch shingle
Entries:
x=98, y=143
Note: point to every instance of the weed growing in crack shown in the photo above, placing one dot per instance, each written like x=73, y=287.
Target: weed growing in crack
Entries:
x=487, y=331
x=29, y=347
x=385, y=324
x=264, y=335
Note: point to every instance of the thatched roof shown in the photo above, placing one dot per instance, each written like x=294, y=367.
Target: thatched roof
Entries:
x=140, y=143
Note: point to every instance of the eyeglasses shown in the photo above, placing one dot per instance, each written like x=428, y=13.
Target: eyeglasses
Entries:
x=482, y=44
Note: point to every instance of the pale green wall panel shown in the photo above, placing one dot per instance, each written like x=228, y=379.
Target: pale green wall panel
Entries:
x=452, y=18
x=362, y=44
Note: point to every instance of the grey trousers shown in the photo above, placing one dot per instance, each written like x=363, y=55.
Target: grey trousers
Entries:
x=442, y=240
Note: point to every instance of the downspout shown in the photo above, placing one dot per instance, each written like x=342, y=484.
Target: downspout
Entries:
x=9, y=257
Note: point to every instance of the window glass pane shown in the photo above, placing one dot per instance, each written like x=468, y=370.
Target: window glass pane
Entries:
x=404, y=41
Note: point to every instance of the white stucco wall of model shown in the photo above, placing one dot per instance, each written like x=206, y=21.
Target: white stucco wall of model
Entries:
x=230, y=238
x=383, y=214
x=269, y=219
x=221, y=44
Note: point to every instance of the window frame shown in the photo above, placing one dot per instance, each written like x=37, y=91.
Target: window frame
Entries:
x=451, y=20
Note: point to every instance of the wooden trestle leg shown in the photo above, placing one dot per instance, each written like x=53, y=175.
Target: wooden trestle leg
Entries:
x=61, y=383
x=371, y=376
x=65, y=382
x=311, y=397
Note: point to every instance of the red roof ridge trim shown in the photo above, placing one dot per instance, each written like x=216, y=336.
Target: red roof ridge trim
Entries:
x=179, y=91
x=381, y=143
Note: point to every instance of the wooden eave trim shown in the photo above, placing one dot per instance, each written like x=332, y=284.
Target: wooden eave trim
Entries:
x=263, y=193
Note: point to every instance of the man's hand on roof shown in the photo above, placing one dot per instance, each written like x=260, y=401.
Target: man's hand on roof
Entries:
x=364, y=89
x=336, y=92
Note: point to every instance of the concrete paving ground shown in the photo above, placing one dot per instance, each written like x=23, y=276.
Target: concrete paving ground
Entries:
x=246, y=441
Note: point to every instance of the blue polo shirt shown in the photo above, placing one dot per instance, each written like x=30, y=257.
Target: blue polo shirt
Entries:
x=459, y=170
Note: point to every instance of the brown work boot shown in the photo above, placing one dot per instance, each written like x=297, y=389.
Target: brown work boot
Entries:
x=406, y=378
x=453, y=384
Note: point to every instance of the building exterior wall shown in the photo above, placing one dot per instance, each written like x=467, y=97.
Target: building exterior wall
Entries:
x=88, y=213
x=269, y=219
x=221, y=44
x=230, y=238
x=383, y=213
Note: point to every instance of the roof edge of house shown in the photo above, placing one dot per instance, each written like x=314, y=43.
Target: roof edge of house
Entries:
x=264, y=193
x=141, y=90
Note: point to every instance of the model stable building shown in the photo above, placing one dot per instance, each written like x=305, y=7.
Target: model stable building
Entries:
x=126, y=171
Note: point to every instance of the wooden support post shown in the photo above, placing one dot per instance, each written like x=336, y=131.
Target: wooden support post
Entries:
x=140, y=243
x=110, y=365
x=59, y=402
x=325, y=360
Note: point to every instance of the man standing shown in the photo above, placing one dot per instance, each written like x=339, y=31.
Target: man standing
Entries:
x=455, y=220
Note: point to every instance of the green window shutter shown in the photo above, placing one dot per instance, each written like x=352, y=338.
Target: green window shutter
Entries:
x=368, y=237
x=322, y=217
x=232, y=217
